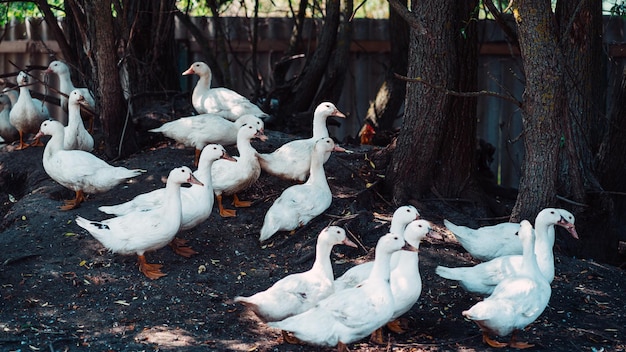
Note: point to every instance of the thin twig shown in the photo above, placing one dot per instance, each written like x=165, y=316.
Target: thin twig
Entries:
x=571, y=201
x=460, y=94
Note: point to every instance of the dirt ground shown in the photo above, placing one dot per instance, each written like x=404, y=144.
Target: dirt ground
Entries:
x=61, y=291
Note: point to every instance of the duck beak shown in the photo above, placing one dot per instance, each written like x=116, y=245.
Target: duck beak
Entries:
x=569, y=227
x=189, y=71
x=194, y=181
x=408, y=247
x=39, y=135
x=338, y=113
x=260, y=135
x=434, y=234
x=227, y=156
x=339, y=149
x=349, y=243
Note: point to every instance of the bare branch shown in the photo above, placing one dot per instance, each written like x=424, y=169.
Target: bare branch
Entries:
x=461, y=94
x=408, y=16
x=497, y=16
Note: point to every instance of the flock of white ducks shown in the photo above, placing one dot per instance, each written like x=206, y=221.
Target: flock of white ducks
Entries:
x=313, y=306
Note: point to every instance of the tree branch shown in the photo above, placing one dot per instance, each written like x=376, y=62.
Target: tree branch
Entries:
x=408, y=16
x=461, y=94
x=497, y=16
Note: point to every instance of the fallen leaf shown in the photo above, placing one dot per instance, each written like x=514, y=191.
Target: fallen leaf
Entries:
x=201, y=269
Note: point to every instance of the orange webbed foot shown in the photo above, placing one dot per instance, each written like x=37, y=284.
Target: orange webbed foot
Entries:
x=151, y=271
x=180, y=247
x=290, y=339
x=377, y=337
x=493, y=343
x=398, y=326
x=241, y=203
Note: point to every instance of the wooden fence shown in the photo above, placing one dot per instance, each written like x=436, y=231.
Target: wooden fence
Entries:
x=499, y=121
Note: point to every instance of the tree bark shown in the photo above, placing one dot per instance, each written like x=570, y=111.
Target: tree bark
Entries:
x=543, y=104
x=385, y=108
x=432, y=154
x=116, y=126
x=332, y=84
x=302, y=92
x=151, y=56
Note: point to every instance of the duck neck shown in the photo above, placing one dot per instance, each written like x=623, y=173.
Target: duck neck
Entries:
x=173, y=204
x=204, y=82
x=24, y=94
x=382, y=267
x=544, y=241
x=65, y=83
x=319, y=126
x=529, y=258
x=317, y=173
x=203, y=174
x=54, y=144
x=245, y=149
x=322, y=260
x=73, y=112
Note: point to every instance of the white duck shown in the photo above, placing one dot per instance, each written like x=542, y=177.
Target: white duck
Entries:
x=13, y=95
x=299, y=292
x=197, y=201
x=292, y=160
x=483, y=278
x=406, y=282
x=7, y=130
x=229, y=178
x=78, y=170
x=355, y=275
x=142, y=231
x=489, y=242
x=299, y=204
x=66, y=86
x=221, y=101
x=25, y=115
x=516, y=301
x=76, y=136
x=349, y=315
x=200, y=130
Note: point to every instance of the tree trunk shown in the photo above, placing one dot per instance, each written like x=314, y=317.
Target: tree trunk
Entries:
x=302, y=92
x=432, y=153
x=332, y=85
x=151, y=59
x=116, y=127
x=584, y=72
x=385, y=108
x=543, y=104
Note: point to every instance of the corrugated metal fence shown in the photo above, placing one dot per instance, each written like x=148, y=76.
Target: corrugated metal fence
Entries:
x=499, y=69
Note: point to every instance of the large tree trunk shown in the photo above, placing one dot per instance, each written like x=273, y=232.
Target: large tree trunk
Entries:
x=432, y=153
x=385, y=108
x=543, y=104
x=301, y=94
x=584, y=72
x=332, y=85
x=116, y=127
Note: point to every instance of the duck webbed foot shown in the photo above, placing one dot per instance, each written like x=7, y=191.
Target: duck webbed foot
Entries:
x=398, y=326
x=377, y=337
x=290, y=339
x=151, y=271
x=73, y=203
x=180, y=247
x=225, y=213
x=518, y=344
x=493, y=343
x=240, y=203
